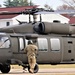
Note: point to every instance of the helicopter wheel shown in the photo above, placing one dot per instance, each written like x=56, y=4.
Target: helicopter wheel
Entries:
x=35, y=69
x=5, y=68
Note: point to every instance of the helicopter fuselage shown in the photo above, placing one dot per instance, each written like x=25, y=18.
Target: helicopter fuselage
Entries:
x=52, y=49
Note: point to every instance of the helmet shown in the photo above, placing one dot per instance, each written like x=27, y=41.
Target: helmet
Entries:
x=30, y=42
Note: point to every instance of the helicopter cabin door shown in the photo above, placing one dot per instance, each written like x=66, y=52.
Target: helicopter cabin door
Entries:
x=18, y=45
x=43, y=53
x=49, y=50
x=55, y=49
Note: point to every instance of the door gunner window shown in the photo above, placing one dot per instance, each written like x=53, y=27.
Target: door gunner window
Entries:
x=42, y=44
x=55, y=44
x=4, y=42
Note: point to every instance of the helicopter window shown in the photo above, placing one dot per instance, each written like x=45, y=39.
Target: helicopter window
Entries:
x=55, y=44
x=21, y=43
x=42, y=44
x=4, y=42
x=26, y=42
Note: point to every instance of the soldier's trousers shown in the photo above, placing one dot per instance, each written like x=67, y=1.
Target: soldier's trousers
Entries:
x=32, y=61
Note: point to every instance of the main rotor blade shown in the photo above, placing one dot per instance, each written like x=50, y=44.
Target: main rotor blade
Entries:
x=9, y=13
x=38, y=11
x=55, y=12
x=26, y=11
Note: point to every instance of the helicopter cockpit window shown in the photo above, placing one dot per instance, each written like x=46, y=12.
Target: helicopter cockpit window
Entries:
x=21, y=43
x=4, y=42
x=55, y=44
x=42, y=44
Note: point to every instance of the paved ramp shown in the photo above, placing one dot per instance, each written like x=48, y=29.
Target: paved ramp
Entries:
x=56, y=71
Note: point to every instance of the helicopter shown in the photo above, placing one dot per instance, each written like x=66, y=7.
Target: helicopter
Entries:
x=55, y=41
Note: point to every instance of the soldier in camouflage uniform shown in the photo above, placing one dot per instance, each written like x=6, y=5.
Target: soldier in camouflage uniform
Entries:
x=31, y=51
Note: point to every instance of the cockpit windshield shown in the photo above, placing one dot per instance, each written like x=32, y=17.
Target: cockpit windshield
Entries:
x=4, y=42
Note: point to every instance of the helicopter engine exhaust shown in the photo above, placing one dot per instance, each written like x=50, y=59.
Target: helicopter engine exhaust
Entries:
x=55, y=28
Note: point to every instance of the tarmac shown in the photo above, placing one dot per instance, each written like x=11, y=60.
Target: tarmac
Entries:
x=56, y=71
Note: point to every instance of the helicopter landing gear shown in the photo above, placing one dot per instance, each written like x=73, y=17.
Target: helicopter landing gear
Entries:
x=35, y=69
x=5, y=68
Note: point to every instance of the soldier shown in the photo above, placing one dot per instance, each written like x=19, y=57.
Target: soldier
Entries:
x=31, y=51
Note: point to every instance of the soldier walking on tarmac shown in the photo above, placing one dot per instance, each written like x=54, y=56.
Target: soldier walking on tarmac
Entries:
x=31, y=51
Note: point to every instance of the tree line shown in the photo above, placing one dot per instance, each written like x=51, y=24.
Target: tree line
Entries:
x=67, y=5
x=15, y=3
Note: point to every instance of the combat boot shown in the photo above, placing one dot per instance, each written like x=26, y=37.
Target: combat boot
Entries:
x=31, y=71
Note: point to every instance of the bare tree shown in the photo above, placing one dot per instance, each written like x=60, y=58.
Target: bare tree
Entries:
x=65, y=7
x=70, y=3
x=47, y=7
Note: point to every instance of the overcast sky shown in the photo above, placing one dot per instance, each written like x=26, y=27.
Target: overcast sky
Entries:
x=52, y=3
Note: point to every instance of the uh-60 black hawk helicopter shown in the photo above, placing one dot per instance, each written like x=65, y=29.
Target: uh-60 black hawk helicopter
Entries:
x=55, y=41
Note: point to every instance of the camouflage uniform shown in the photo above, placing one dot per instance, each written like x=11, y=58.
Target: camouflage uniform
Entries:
x=31, y=51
